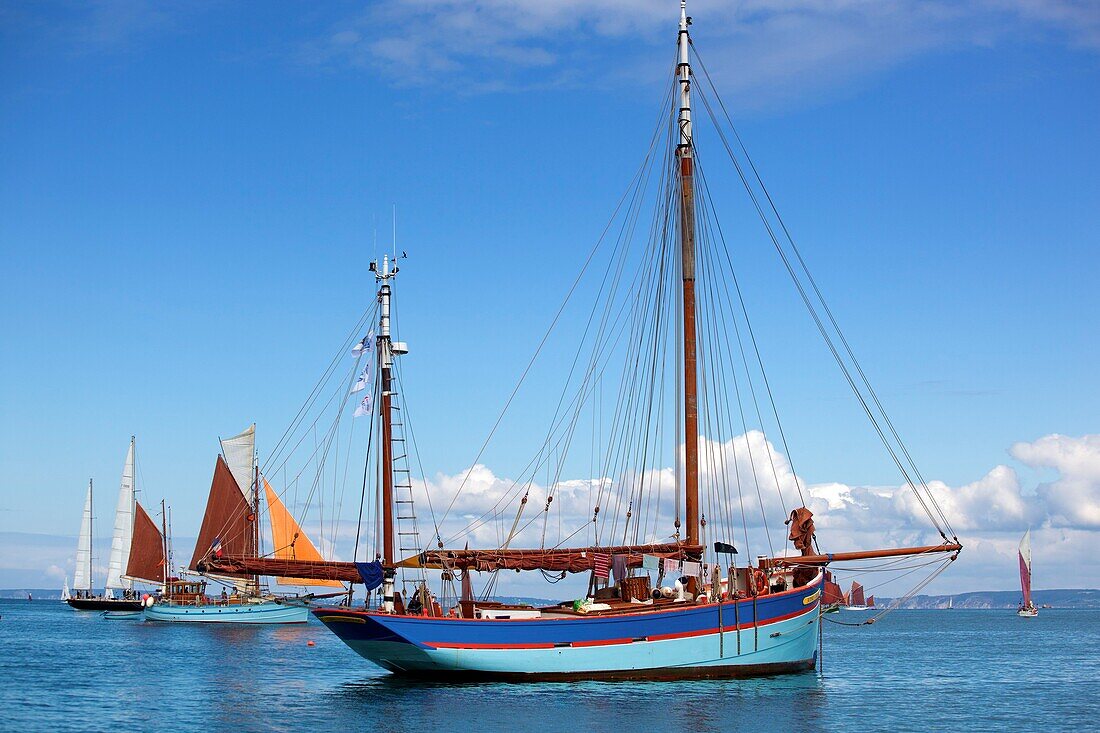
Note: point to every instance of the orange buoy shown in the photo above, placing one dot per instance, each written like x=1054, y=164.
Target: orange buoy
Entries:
x=310, y=643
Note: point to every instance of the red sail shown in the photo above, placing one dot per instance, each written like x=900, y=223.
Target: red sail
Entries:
x=1025, y=579
x=146, y=549
x=856, y=596
x=871, y=601
x=227, y=524
x=833, y=593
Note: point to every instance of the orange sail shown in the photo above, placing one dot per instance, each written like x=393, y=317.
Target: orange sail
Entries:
x=856, y=595
x=290, y=542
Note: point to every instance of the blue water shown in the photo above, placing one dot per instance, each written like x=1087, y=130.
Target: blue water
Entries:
x=923, y=671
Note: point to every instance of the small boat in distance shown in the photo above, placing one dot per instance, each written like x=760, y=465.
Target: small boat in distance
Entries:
x=128, y=561
x=833, y=597
x=1027, y=607
x=856, y=599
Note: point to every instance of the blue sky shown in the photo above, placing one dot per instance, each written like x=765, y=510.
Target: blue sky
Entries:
x=189, y=198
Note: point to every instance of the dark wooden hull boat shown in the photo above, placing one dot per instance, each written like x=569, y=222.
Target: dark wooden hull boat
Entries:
x=105, y=604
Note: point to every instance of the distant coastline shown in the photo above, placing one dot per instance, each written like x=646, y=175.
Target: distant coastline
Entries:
x=991, y=599
x=1057, y=598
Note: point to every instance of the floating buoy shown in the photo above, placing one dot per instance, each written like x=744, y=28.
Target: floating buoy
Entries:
x=310, y=643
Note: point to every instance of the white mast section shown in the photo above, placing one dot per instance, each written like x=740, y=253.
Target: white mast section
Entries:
x=240, y=455
x=683, y=68
x=124, y=528
x=82, y=577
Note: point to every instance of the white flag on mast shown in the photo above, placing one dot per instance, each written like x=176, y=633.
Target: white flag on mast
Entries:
x=363, y=381
x=364, y=406
x=363, y=346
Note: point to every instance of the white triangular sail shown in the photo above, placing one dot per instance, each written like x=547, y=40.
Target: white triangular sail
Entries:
x=65, y=595
x=124, y=527
x=82, y=578
x=239, y=452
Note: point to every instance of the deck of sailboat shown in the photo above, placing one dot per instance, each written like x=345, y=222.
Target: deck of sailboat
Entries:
x=809, y=593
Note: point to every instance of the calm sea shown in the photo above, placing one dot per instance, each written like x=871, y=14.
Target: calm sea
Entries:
x=913, y=671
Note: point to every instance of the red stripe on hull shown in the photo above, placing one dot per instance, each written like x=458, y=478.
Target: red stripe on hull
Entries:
x=611, y=642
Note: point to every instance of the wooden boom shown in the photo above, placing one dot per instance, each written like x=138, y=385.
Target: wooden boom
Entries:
x=830, y=557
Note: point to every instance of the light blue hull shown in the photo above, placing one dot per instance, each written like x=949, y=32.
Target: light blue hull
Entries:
x=771, y=634
x=781, y=647
x=254, y=613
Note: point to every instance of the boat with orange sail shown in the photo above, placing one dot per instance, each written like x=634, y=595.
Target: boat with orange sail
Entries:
x=231, y=525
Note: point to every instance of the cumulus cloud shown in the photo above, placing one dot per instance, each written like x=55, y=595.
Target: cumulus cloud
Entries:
x=772, y=48
x=1073, y=499
x=989, y=514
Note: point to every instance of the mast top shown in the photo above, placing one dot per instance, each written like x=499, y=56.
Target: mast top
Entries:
x=683, y=71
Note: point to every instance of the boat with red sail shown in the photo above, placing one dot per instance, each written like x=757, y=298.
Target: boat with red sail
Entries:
x=131, y=560
x=1027, y=607
x=672, y=591
x=231, y=526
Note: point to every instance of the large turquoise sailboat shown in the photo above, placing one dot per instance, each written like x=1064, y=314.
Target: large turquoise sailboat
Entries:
x=673, y=591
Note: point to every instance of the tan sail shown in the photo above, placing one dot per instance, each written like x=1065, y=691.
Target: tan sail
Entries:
x=146, y=549
x=290, y=542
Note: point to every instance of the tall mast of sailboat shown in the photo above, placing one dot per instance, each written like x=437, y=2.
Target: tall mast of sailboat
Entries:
x=685, y=154
x=164, y=543
x=255, y=517
x=383, y=274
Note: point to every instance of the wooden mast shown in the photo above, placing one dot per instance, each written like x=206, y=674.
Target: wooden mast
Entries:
x=255, y=518
x=164, y=541
x=685, y=155
x=385, y=361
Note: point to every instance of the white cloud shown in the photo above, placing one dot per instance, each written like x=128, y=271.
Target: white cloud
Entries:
x=1073, y=500
x=769, y=50
x=989, y=514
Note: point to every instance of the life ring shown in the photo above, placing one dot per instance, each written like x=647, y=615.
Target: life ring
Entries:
x=761, y=582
